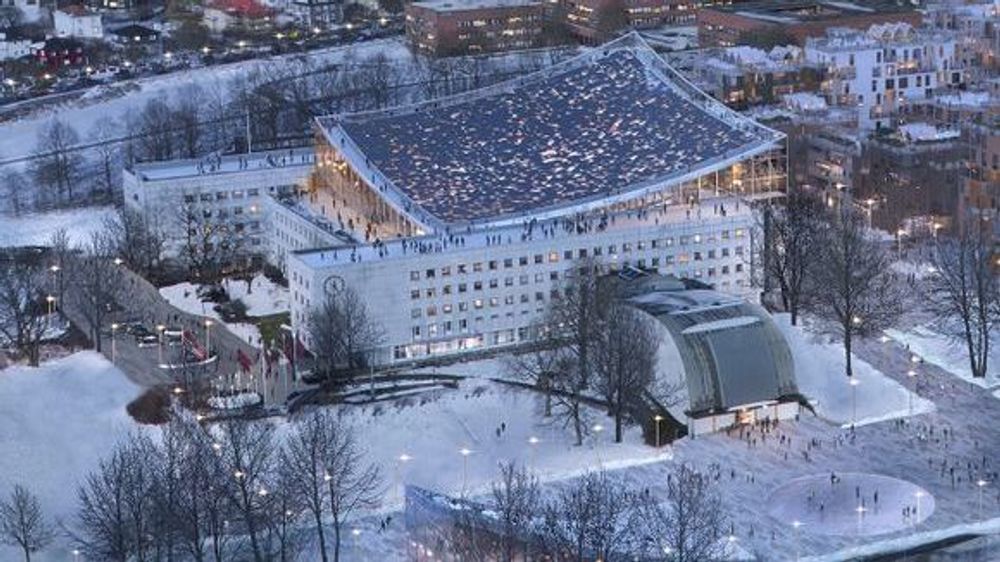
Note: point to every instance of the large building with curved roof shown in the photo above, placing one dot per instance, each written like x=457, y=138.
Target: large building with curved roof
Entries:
x=468, y=212
x=734, y=363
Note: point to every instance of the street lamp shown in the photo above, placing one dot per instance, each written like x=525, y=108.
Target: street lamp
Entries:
x=532, y=444
x=51, y=300
x=403, y=459
x=208, y=337
x=854, y=400
x=114, y=328
x=911, y=374
x=657, y=418
x=598, y=428
x=899, y=241
x=119, y=261
x=796, y=524
x=919, y=494
x=159, y=340
x=465, y=468
x=981, y=484
x=76, y=554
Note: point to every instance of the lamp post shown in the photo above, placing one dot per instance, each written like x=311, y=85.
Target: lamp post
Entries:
x=795, y=525
x=899, y=242
x=919, y=494
x=465, y=468
x=533, y=446
x=51, y=300
x=208, y=337
x=403, y=459
x=981, y=484
x=598, y=428
x=854, y=401
x=657, y=418
x=114, y=328
x=159, y=340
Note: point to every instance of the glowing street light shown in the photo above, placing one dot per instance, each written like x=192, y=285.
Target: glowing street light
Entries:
x=796, y=525
x=114, y=328
x=657, y=418
x=981, y=484
x=160, y=328
x=208, y=337
x=465, y=468
x=51, y=300
x=533, y=447
x=403, y=459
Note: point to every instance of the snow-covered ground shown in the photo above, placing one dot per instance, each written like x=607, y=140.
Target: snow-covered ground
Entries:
x=434, y=428
x=934, y=347
x=265, y=299
x=37, y=228
x=56, y=422
x=819, y=370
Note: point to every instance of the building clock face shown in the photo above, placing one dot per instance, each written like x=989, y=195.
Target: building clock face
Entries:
x=333, y=284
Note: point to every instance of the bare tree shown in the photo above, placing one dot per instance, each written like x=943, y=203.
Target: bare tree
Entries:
x=791, y=247
x=57, y=164
x=352, y=484
x=625, y=361
x=964, y=294
x=574, y=322
x=105, y=132
x=594, y=518
x=96, y=285
x=22, y=523
x=13, y=185
x=210, y=243
x=857, y=294
x=342, y=332
x=538, y=367
x=306, y=454
x=516, y=501
x=133, y=239
x=689, y=524
x=113, y=517
x=187, y=119
x=23, y=318
x=156, y=129
x=247, y=452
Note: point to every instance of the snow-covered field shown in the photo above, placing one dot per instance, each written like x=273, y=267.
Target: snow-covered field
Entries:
x=56, y=422
x=37, y=228
x=819, y=369
x=434, y=430
x=943, y=351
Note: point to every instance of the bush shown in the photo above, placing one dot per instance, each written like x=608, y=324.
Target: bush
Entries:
x=151, y=408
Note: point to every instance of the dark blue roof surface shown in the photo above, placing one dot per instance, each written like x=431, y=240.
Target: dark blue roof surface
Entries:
x=579, y=132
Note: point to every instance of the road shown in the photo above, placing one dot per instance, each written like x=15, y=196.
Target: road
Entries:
x=141, y=301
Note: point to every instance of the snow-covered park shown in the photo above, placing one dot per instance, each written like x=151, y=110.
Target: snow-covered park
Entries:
x=36, y=229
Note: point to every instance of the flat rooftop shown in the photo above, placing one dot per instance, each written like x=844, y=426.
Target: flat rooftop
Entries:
x=790, y=12
x=228, y=164
x=595, y=126
x=463, y=5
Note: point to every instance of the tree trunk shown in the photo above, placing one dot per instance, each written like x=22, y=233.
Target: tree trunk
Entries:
x=847, y=353
x=321, y=535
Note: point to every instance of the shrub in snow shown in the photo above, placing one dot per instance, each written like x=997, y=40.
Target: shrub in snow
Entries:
x=235, y=401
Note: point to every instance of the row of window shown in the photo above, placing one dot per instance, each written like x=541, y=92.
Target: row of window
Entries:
x=582, y=253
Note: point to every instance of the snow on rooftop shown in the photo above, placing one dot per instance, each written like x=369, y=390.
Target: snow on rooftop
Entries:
x=925, y=132
x=233, y=163
x=805, y=101
x=595, y=126
x=459, y=5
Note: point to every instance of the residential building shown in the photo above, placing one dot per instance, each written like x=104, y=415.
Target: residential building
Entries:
x=78, y=22
x=880, y=70
x=460, y=27
x=734, y=23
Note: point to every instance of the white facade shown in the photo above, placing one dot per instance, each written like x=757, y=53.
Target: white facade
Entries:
x=230, y=189
x=878, y=71
x=30, y=9
x=11, y=49
x=453, y=295
x=80, y=25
